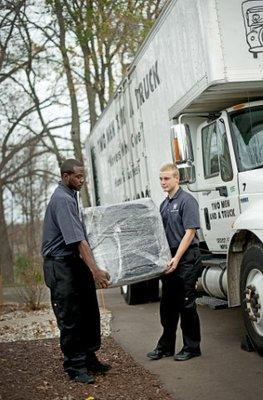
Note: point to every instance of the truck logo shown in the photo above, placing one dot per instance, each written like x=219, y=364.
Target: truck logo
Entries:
x=253, y=20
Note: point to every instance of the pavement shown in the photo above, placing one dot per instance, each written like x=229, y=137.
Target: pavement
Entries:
x=223, y=372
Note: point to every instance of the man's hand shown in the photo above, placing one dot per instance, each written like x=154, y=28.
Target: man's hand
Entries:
x=172, y=265
x=185, y=243
x=101, y=278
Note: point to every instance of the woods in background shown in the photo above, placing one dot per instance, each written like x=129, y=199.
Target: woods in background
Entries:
x=60, y=61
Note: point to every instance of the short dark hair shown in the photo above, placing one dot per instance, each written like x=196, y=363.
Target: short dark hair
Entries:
x=68, y=165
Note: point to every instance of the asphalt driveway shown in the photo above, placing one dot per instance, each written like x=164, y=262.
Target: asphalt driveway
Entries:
x=224, y=372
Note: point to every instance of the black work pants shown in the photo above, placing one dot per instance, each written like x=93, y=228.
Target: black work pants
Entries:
x=74, y=301
x=178, y=300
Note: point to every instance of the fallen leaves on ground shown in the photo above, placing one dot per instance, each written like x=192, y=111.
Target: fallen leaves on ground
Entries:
x=33, y=370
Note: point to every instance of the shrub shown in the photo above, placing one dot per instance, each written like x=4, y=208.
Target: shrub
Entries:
x=29, y=275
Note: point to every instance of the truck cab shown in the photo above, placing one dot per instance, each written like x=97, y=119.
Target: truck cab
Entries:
x=222, y=165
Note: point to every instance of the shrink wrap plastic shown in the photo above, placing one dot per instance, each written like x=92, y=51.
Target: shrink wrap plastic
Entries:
x=128, y=240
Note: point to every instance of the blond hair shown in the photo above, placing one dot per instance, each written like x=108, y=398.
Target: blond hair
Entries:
x=170, y=167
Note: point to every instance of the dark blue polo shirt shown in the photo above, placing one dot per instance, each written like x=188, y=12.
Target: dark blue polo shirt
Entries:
x=62, y=228
x=179, y=213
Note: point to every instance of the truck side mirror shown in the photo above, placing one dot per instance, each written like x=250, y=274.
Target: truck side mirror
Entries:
x=182, y=152
x=181, y=144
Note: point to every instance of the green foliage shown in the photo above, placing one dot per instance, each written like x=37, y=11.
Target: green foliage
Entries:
x=29, y=275
x=28, y=270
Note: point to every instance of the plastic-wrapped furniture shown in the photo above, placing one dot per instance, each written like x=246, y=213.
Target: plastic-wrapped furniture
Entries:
x=128, y=240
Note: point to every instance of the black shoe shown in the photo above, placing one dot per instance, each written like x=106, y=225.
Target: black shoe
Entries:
x=186, y=355
x=81, y=377
x=157, y=354
x=99, y=367
x=94, y=365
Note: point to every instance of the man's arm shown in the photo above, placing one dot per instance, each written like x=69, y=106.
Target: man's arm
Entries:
x=101, y=277
x=185, y=243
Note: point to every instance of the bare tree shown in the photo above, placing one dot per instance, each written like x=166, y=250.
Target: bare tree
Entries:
x=81, y=45
x=9, y=15
x=19, y=111
x=75, y=120
x=108, y=33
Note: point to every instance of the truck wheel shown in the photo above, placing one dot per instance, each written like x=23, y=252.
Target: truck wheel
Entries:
x=133, y=294
x=141, y=292
x=153, y=290
x=251, y=294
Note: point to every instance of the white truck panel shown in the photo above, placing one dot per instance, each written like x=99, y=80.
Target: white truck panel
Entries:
x=250, y=201
x=202, y=56
x=196, y=58
x=231, y=73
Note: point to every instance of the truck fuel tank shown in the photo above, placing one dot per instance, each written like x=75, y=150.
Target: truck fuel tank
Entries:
x=214, y=278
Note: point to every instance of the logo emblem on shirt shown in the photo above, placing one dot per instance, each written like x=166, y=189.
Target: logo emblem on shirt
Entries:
x=174, y=208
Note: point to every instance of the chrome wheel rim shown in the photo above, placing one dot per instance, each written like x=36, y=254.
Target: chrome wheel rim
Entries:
x=254, y=299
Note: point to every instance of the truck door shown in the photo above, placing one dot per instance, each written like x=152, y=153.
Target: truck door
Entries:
x=220, y=206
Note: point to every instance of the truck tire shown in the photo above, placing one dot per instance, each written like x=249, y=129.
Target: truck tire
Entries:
x=251, y=294
x=143, y=292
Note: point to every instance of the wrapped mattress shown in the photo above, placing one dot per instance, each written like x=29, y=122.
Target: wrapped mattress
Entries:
x=127, y=240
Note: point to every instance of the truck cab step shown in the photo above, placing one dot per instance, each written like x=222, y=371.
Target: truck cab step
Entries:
x=214, y=262
x=212, y=302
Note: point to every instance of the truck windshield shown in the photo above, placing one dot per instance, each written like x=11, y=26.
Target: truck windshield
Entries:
x=247, y=128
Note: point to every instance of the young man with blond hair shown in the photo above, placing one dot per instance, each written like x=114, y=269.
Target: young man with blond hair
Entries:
x=180, y=217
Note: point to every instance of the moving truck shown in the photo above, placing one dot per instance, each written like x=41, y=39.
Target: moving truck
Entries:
x=194, y=95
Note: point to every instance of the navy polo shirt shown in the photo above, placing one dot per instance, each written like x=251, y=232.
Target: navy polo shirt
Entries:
x=179, y=213
x=63, y=228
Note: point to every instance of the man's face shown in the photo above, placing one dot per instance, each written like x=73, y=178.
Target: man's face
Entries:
x=169, y=182
x=74, y=180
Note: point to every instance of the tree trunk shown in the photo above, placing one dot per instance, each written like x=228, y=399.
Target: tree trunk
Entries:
x=6, y=259
x=1, y=291
x=91, y=95
x=75, y=123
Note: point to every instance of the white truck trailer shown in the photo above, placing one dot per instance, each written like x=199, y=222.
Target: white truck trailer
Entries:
x=194, y=94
